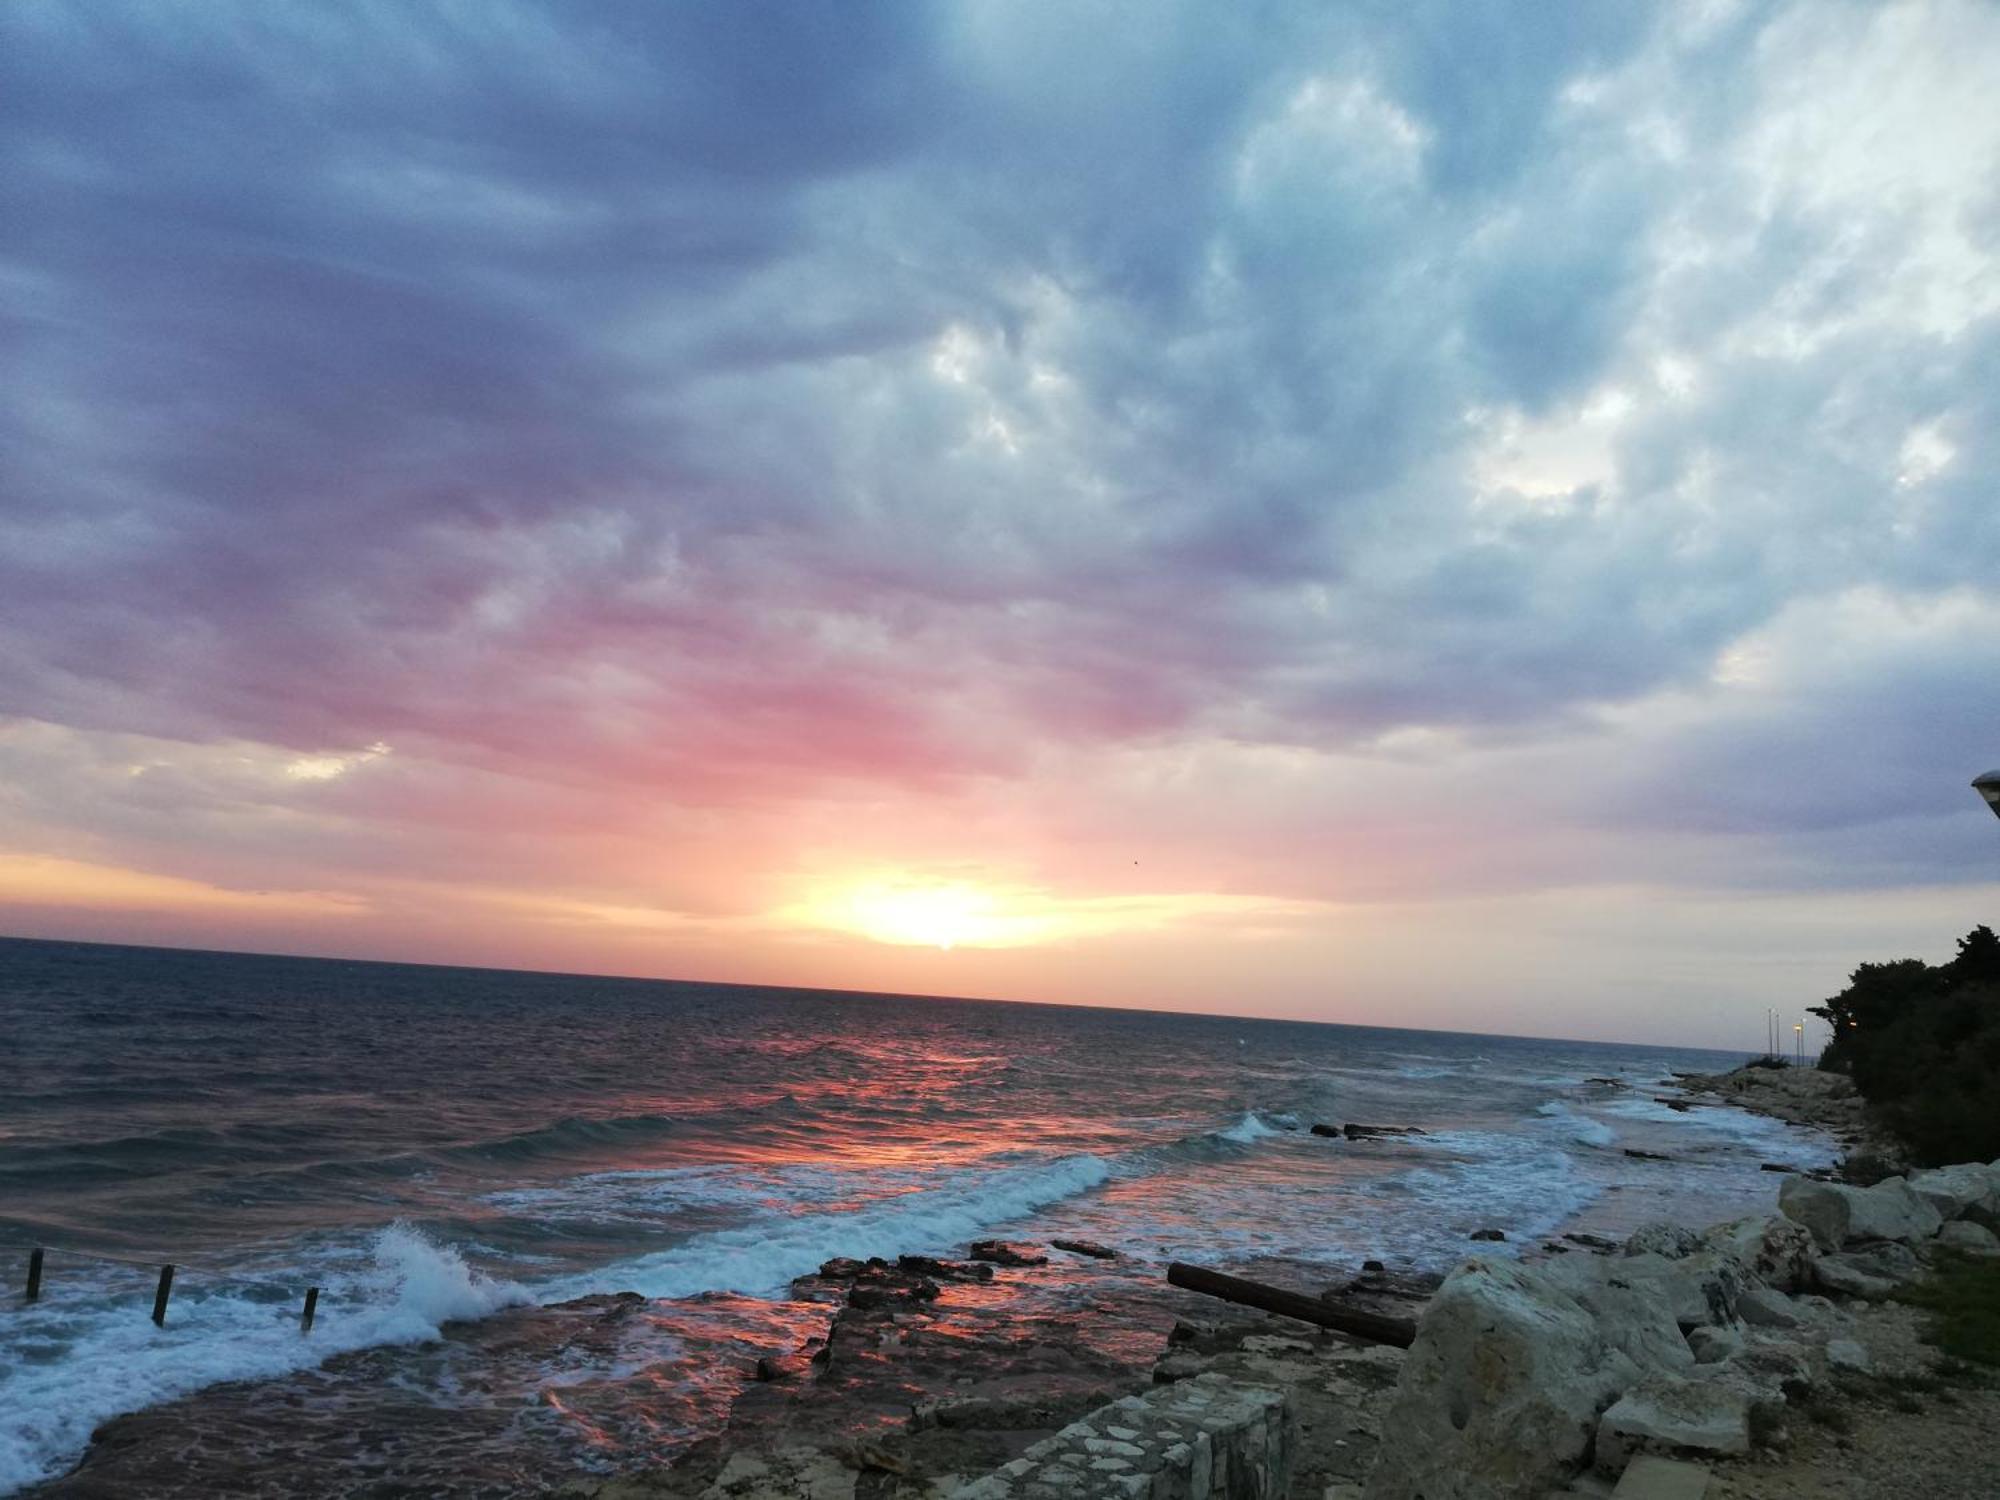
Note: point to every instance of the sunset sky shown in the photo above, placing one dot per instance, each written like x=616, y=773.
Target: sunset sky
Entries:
x=1474, y=516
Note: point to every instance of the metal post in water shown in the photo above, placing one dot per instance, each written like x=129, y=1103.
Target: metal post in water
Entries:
x=34, y=1275
x=160, y=1297
x=312, y=1305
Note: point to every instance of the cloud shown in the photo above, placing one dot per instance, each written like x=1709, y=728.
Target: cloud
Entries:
x=749, y=420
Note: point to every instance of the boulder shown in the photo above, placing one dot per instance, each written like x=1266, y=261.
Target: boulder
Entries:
x=1500, y=1394
x=1711, y=1345
x=1772, y=1249
x=1669, y=1240
x=1636, y=1302
x=1489, y=1234
x=1005, y=1253
x=1953, y=1190
x=1666, y=1413
x=1969, y=1238
x=1849, y=1279
x=1839, y=1216
x=1762, y=1307
x=1698, y=1288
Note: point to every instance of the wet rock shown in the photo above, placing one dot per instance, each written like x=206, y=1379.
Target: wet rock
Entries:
x=771, y=1367
x=1331, y=1131
x=1006, y=1253
x=1488, y=1234
x=1591, y=1241
x=1371, y=1132
x=1086, y=1247
x=872, y=1295
x=1637, y=1155
x=1500, y=1393
x=944, y=1270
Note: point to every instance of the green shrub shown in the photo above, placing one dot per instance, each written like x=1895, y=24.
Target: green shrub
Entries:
x=1963, y=1299
x=1922, y=1043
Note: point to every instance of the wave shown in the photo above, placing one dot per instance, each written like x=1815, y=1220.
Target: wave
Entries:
x=1246, y=1130
x=572, y=1133
x=1577, y=1126
x=112, y=1359
x=762, y=1258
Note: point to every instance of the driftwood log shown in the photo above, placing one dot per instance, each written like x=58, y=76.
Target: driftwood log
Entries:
x=1353, y=1321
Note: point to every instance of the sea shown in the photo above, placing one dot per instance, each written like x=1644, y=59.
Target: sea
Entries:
x=452, y=1156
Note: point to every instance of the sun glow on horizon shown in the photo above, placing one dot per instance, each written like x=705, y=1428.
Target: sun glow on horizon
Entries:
x=926, y=914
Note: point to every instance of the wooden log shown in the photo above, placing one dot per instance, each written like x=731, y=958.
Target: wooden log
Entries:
x=34, y=1275
x=312, y=1307
x=160, y=1297
x=1353, y=1321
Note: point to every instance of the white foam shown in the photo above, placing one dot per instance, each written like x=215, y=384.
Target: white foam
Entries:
x=88, y=1351
x=1580, y=1127
x=761, y=1258
x=1249, y=1128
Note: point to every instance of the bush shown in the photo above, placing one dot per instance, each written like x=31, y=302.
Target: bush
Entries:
x=1963, y=1300
x=1922, y=1043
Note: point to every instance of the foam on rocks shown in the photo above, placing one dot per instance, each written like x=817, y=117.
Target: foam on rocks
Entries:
x=1200, y=1439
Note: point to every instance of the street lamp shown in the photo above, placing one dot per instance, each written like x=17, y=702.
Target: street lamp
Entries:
x=1988, y=786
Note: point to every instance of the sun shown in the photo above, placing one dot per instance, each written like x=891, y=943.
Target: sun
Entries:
x=923, y=916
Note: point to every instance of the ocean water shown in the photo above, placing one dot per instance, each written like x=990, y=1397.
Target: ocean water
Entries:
x=447, y=1146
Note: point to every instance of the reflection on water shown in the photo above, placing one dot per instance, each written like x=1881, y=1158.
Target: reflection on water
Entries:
x=435, y=1144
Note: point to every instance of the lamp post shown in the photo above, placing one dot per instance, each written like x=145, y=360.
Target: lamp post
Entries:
x=1988, y=786
x=1799, y=1031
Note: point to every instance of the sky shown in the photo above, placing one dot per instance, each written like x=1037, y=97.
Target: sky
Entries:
x=1476, y=516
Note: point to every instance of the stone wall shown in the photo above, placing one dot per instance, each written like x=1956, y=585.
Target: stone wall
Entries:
x=1202, y=1439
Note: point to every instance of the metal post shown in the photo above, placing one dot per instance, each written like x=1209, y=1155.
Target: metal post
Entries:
x=160, y=1297
x=312, y=1305
x=34, y=1275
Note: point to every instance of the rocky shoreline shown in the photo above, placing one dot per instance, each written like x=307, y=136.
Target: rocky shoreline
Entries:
x=925, y=1378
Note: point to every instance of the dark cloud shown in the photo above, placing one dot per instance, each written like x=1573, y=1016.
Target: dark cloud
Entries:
x=739, y=403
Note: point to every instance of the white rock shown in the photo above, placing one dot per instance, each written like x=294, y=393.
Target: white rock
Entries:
x=1670, y=1413
x=1636, y=1302
x=1764, y=1308
x=1712, y=1345
x=1771, y=1248
x=1839, y=1216
x=1698, y=1288
x=1952, y=1190
x=1849, y=1277
x=1500, y=1393
x=1670, y=1240
x=1970, y=1238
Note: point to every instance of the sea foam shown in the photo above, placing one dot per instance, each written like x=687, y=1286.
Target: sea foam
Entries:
x=87, y=1351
